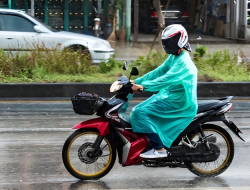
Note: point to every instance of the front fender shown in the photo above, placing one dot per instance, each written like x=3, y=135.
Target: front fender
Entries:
x=98, y=123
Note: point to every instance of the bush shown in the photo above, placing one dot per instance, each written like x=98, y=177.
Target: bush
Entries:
x=109, y=65
x=149, y=63
x=199, y=52
x=42, y=65
x=16, y=64
x=222, y=66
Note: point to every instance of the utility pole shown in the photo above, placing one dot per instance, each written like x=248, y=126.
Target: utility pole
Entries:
x=99, y=6
x=136, y=5
x=66, y=15
x=128, y=19
x=32, y=7
x=86, y=16
x=26, y=4
x=9, y=4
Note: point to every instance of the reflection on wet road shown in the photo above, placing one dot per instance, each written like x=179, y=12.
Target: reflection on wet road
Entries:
x=31, y=140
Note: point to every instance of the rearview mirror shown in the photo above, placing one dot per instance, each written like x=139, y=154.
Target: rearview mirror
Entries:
x=134, y=71
x=125, y=66
x=39, y=29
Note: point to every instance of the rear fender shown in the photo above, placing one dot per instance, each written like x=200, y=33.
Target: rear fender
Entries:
x=230, y=124
x=234, y=128
x=98, y=123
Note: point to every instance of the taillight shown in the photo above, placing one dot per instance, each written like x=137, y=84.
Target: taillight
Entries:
x=185, y=14
x=226, y=108
x=153, y=14
x=230, y=108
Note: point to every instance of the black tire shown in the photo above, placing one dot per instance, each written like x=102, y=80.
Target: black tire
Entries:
x=82, y=160
x=224, y=141
x=82, y=50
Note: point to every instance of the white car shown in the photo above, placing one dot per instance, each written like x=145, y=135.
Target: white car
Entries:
x=20, y=31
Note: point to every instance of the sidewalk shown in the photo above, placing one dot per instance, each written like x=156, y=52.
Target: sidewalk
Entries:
x=132, y=50
x=193, y=38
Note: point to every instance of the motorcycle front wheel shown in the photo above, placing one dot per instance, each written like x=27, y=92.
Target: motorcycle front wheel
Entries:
x=221, y=138
x=75, y=155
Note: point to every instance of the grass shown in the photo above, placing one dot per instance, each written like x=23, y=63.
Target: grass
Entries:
x=57, y=66
x=222, y=65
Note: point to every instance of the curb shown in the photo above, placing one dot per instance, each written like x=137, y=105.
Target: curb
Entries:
x=52, y=91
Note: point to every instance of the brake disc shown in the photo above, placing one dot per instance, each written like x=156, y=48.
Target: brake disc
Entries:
x=83, y=153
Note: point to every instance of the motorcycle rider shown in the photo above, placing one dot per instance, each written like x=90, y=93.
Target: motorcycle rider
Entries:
x=163, y=116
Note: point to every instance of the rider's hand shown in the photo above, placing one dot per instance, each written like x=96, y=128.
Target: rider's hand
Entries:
x=137, y=88
x=132, y=81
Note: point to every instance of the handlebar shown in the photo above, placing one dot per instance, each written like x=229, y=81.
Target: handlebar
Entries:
x=140, y=90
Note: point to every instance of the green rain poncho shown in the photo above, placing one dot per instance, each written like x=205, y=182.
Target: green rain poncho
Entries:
x=172, y=109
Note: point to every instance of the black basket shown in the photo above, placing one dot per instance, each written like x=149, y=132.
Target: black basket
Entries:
x=86, y=103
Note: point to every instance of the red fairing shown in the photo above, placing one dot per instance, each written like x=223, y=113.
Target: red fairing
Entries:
x=138, y=144
x=135, y=150
x=99, y=123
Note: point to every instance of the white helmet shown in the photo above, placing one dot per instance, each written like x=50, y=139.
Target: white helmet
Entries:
x=171, y=31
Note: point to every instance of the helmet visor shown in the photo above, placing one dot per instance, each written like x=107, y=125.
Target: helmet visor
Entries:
x=170, y=45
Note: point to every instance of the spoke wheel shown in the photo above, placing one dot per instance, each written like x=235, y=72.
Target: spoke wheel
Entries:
x=221, y=138
x=77, y=159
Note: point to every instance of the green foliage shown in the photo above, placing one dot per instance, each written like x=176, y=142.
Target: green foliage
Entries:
x=199, y=52
x=150, y=62
x=109, y=65
x=222, y=66
x=42, y=65
x=119, y=5
x=17, y=64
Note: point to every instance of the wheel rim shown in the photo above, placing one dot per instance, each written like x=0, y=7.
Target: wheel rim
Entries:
x=222, y=142
x=80, y=162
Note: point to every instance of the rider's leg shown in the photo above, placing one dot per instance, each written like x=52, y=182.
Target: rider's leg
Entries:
x=155, y=140
x=158, y=150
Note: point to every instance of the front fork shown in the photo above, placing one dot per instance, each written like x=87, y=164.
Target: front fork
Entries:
x=95, y=151
x=100, y=124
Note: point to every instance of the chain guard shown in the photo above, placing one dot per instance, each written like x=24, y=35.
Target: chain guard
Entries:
x=179, y=155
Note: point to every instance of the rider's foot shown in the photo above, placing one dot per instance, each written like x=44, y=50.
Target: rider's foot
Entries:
x=154, y=154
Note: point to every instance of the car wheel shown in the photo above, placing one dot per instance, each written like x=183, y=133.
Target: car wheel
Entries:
x=82, y=49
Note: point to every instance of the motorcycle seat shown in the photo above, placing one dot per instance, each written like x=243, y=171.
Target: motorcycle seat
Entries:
x=205, y=105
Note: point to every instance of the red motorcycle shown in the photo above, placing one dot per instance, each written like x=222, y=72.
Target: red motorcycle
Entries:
x=90, y=151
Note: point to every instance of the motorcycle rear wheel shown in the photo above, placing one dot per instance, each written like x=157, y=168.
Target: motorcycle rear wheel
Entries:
x=226, y=145
x=79, y=164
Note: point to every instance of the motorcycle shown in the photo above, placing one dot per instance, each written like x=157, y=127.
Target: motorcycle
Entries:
x=90, y=151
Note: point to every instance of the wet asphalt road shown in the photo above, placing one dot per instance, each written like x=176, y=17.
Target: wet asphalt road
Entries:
x=31, y=139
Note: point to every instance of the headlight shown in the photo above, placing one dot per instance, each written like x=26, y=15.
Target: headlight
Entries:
x=107, y=44
x=98, y=45
x=115, y=86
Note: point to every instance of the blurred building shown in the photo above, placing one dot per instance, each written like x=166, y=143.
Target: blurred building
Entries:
x=221, y=18
x=69, y=15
